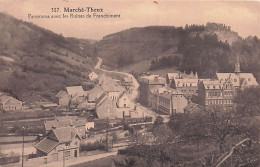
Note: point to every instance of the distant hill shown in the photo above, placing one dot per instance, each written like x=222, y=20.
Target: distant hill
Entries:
x=202, y=48
x=40, y=62
x=138, y=44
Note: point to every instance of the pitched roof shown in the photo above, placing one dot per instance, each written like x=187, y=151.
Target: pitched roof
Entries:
x=105, y=79
x=95, y=93
x=193, y=107
x=251, y=80
x=58, y=123
x=46, y=145
x=172, y=75
x=5, y=98
x=101, y=98
x=225, y=76
x=75, y=90
x=65, y=134
x=112, y=87
x=61, y=94
x=186, y=82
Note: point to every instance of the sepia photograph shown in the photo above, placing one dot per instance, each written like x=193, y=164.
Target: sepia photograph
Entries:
x=129, y=83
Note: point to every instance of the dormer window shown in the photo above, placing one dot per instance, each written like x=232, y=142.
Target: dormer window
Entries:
x=249, y=79
x=208, y=86
x=214, y=86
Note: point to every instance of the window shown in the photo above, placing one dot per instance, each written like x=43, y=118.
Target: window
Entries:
x=249, y=79
x=235, y=80
x=67, y=145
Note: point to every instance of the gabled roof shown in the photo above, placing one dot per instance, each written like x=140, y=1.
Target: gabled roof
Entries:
x=122, y=95
x=251, y=80
x=225, y=76
x=61, y=94
x=172, y=75
x=95, y=93
x=75, y=90
x=65, y=134
x=46, y=145
x=105, y=79
x=101, y=98
x=112, y=87
x=58, y=123
x=193, y=107
x=186, y=82
x=4, y=98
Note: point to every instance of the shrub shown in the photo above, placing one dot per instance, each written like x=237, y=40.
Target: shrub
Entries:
x=93, y=146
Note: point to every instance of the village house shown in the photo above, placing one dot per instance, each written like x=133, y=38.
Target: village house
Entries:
x=60, y=143
x=106, y=107
x=146, y=84
x=171, y=76
x=67, y=121
x=93, y=76
x=123, y=105
x=8, y=103
x=95, y=93
x=63, y=99
x=76, y=91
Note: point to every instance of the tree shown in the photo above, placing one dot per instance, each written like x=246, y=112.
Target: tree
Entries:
x=158, y=121
x=248, y=101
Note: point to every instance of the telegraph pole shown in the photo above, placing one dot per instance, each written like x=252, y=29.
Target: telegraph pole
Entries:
x=23, y=147
x=63, y=157
x=107, y=134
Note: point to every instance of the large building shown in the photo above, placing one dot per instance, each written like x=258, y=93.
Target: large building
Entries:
x=184, y=83
x=221, y=92
x=146, y=84
x=216, y=93
x=168, y=101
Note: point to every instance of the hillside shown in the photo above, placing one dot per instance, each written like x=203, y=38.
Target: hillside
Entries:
x=138, y=44
x=36, y=63
x=202, y=48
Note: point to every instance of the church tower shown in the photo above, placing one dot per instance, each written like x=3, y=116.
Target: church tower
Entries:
x=237, y=66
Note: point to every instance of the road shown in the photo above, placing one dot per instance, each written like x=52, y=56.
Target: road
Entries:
x=134, y=93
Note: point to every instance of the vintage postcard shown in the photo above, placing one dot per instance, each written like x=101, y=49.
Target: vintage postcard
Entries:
x=129, y=83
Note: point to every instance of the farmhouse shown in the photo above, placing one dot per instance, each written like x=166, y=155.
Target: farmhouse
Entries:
x=8, y=103
x=59, y=143
x=67, y=121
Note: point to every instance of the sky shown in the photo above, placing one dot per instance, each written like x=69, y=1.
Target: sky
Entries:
x=242, y=16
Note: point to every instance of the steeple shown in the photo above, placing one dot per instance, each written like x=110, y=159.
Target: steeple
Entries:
x=237, y=66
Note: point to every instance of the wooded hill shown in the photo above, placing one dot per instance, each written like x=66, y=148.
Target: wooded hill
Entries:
x=205, y=49
x=36, y=63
